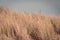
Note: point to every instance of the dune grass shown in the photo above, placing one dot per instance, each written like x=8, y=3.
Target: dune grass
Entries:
x=28, y=26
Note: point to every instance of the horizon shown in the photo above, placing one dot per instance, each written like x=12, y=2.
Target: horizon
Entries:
x=45, y=6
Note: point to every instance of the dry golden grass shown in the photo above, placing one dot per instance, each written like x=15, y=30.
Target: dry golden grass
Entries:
x=28, y=26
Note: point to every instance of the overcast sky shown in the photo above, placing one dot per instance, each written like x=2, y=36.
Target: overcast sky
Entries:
x=46, y=6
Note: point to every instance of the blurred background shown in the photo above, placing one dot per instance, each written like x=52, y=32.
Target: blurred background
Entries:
x=44, y=6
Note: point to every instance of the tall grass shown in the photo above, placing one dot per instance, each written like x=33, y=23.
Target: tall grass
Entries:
x=28, y=26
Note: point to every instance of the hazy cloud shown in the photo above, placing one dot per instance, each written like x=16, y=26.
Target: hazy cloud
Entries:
x=47, y=6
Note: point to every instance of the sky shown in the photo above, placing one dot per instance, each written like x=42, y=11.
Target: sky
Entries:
x=45, y=6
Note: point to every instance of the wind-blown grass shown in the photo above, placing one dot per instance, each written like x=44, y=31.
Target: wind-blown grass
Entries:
x=28, y=26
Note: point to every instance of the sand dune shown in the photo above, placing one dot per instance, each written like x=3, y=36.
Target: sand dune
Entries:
x=28, y=26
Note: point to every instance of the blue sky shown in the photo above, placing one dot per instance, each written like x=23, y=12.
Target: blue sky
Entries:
x=46, y=6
